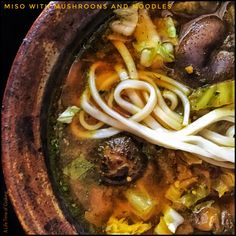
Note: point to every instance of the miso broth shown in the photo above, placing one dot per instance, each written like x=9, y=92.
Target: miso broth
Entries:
x=119, y=171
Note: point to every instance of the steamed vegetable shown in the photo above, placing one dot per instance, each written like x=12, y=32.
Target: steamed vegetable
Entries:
x=169, y=222
x=127, y=21
x=121, y=226
x=141, y=202
x=77, y=168
x=162, y=228
x=166, y=30
x=225, y=183
x=172, y=219
x=194, y=195
x=211, y=96
x=175, y=191
x=150, y=44
x=68, y=114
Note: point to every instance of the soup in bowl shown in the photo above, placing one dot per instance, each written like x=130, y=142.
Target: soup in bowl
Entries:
x=121, y=121
x=141, y=134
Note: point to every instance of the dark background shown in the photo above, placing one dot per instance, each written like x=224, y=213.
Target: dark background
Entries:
x=14, y=25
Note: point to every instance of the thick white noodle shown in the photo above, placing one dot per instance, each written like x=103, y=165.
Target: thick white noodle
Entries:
x=217, y=138
x=228, y=165
x=124, y=52
x=161, y=101
x=86, y=125
x=167, y=79
x=133, y=96
x=170, y=96
x=183, y=98
x=105, y=133
x=140, y=114
x=213, y=116
x=222, y=153
x=191, y=143
x=230, y=131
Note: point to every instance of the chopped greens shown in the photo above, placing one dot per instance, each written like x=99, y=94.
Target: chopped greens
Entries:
x=215, y=95
x=77, y=168
x=194, y=195
x=155, y=42
x=162, y=228
x=141, y=202
x=169, y=222
x=166, y=29
x=68, y=114
x=172, y=219
x=224, y=183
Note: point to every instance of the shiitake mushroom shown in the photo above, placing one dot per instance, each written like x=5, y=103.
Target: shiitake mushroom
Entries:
x=221, y=67
x=120, y=160
x=203, y=46
x=202, y=37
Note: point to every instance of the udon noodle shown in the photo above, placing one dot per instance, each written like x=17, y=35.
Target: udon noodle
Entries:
x=150, y=117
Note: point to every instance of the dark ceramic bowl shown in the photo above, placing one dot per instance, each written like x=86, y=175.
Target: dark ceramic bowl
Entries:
x=38, y=69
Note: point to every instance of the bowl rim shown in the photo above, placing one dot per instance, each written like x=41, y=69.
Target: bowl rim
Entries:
x=23, y=162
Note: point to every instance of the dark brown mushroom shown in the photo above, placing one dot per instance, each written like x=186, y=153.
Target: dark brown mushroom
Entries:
x=121, y=160
x=222, y=66
x=203, y=36
x=200, y=47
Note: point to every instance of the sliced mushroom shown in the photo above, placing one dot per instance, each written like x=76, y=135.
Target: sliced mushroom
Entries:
x=120, y=160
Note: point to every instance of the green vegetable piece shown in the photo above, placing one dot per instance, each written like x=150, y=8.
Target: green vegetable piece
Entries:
x=225, y=183
x=224, y=94
x=68, y=114
x=140, y=201
x=194, y=196
x=154, y=41
x=172, y=219
x=162, y=228
x=206, y=96
x=166, y=50
x=173, y=193
x=166, y=30
x=77, y=168
x=212, y=96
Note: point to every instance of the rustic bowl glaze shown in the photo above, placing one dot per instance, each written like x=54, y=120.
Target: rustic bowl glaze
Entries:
x=43, y=58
